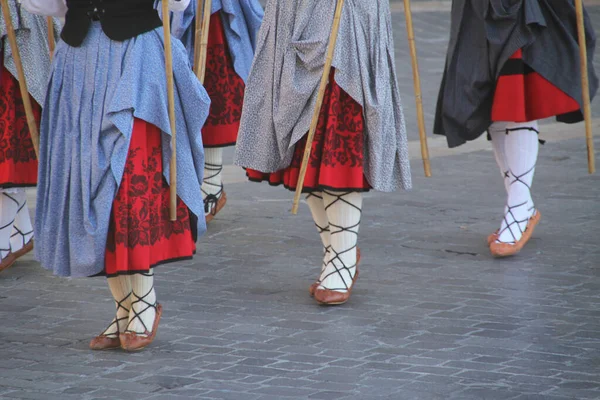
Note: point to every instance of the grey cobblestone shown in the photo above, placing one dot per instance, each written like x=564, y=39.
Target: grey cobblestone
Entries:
x=432, y=317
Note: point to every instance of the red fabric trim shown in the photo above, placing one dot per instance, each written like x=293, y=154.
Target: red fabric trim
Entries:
x=225, y=88
x=337, y=152
x=529, y=97
x=18, y=163
x=141, y=234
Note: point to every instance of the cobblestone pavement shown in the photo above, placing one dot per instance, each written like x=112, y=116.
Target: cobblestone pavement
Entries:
x=433, y=316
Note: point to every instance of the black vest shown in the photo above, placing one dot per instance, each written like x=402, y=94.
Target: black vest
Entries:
x=120, y=19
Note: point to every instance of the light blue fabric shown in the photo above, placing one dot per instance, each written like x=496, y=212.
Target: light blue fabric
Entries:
x=241, y=22
x=95, y=92
x=31, y=32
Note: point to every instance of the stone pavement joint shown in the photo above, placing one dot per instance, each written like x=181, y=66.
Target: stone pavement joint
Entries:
x=433, y=316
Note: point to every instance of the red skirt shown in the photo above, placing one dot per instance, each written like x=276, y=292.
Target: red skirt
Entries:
x=141, y=234
x=337, y=155
x=225, y=89
x=18, y=163
x=523, y=95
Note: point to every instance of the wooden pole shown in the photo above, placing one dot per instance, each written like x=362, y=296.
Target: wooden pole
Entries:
x=320, y=96
x=51, y=39
x=31, y=122
x=203, y=47
x=197, y=35
x=585, y=86
x=171, y=96
x=417, y=82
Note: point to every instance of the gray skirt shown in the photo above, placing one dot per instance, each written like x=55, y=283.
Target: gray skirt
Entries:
x=283, y=83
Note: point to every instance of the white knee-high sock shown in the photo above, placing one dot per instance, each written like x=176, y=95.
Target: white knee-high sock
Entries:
x=22, y=229
x=212, y=185
x=120, y=288
x=521, y=148
x=317, y=209
x=344, y=210
x=9, y=206
x=143, y=303
x=497, y=132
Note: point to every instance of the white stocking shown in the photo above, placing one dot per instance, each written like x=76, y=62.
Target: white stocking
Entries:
x=143, y=303
x=212, y=185
x=22, y=231
x=120, y=287
x=344, y=210
x=521, y=147
x=317, y=208
x=9, y=206
x=497, y=132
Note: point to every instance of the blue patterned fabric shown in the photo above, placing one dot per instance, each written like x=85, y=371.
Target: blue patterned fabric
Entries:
x=95, y=92
x=241, y=21
x=31, y=32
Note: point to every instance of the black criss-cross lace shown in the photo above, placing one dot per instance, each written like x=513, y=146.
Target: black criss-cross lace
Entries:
x=509, y=225
x=117, y=319
x=516, y=179
x=19, y=231
x=5, y=252
x=336, y=230
x=211, y=199
x=138, y=315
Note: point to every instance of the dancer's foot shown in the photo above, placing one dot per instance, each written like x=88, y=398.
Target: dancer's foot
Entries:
x=339, y=295
x=144, y=315
x=212, y=185
x=344, y=210
x=501, y=249
x=21, y=238
x=24, y=250
x=312, y=288
x=134, y=341
x=213, y=204
x=9, y=207
x=492, y=237
x=109, y=339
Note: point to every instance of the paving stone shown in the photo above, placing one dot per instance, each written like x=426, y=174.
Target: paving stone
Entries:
x=432, y=317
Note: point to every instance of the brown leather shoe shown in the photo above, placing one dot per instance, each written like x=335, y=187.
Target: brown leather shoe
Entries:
x=103, y=342
x=220, y=204
x=131, y=341
x=500, y=250
x=315, y=285
x=492, y=237
x=327, y=297
x=24, y=250
x=7, y=261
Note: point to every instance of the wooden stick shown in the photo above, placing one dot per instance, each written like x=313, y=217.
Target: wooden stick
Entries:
x=171, y=95
x=197, y=36
x=31, y=122
x=320, y=97
x=417, y=82
x=51, y=39
x=203, y=49
x=585, y=86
